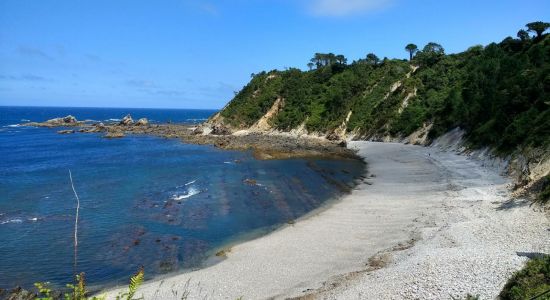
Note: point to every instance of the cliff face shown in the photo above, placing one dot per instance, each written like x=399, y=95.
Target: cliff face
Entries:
x=335, y=101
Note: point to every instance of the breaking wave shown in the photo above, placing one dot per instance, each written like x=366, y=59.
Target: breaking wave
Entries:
x=191, y=192
x=14, y=220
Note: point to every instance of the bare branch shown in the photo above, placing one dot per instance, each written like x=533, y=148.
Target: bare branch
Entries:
x=75, y=222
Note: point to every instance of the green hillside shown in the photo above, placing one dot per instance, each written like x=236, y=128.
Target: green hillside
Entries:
x=499, y=93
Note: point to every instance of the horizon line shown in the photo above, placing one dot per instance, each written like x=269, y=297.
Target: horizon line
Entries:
x=112, y=107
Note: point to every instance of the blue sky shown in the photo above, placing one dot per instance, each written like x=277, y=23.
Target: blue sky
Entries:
x=195, y=54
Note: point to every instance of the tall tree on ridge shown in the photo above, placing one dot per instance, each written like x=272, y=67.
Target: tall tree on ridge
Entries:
x=341, y=59
x=372, y=59
x=412, y=49
x=537, y=27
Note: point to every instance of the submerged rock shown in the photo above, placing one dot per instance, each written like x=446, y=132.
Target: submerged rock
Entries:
x=127, y=120
x=114, y=134
x=65, y=131
x=250, y=181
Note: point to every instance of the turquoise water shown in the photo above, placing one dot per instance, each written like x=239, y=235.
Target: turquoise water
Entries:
x=145, y=200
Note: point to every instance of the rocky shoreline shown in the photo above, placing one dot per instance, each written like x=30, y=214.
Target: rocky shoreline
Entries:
x=263, y=145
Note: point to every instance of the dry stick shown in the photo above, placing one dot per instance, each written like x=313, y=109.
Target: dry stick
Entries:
x=75, y=225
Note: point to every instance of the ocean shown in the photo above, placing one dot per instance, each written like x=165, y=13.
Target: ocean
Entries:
x=144, y=201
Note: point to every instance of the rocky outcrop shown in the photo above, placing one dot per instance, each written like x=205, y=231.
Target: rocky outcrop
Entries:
x=531, y=171
x=405, y=102
x=127, y=120
x=57, y=122
x=420, y=136
x=99, y=127
x=340, y=132
x=198, y=130
x=142, y=122
x=275, y=146
x=19, y=293
x=220, y=129
x=264, y=146
x=68, y=120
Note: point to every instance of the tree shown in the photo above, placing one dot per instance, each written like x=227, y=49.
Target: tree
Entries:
x=372, y=59
x=434, y=48
x=323, y=59
x=430, y=54
x=317, y=60
x=310, y=65
x=523, y=35
x=412, y=49
x=538, y=27
x=341, y=59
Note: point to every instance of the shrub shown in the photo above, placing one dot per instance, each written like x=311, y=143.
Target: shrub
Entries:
x=533, y=280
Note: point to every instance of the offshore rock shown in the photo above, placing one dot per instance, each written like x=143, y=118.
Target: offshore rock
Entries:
x=69, y=119
x=57, y=122
x=142, y=122
x=99, y=127
x=126, y=120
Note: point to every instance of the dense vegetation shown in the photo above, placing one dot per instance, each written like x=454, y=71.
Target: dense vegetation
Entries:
x=530, y=282
x=499, y=93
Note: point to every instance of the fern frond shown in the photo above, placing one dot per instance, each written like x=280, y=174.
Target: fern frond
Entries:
x=135, y=283
x=81, y=288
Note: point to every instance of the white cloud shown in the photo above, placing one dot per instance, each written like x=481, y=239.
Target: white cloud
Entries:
x=345, y=7
x=203, y=6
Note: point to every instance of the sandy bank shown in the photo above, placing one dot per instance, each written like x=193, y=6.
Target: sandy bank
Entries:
x=465, y=234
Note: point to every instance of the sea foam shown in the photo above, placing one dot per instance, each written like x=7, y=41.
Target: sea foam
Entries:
x=191, y=192
x=15, y=220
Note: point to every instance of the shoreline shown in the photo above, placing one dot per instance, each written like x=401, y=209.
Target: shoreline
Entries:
x=374, y=232
x=213, y=258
